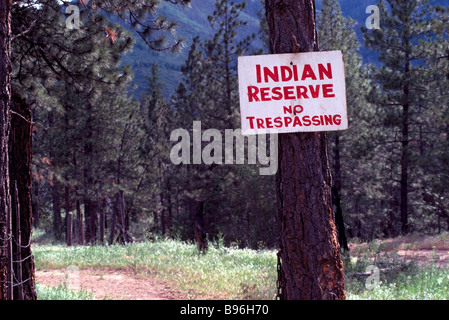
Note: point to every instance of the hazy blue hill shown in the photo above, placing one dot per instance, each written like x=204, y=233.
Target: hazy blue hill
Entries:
x=193, y=21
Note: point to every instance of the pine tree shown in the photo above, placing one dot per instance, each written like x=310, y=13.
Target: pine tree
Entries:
x=38, y=56
x=434, y=129
x=309, y=260
x=154, y=152
x=336, y=33
x=400, y=95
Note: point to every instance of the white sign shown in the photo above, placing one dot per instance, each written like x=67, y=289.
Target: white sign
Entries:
x=293, y=92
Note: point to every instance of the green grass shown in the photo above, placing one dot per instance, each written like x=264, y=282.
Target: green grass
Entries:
x=61, y=293
x=222, y=273
x=400, y=279
x=231, y=273
x=426, y=283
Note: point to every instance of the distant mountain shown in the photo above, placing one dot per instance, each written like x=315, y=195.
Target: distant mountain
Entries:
x=193, y=21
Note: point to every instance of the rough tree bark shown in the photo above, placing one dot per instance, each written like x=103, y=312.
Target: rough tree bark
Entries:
x=20, y=160
x=310, y=263
x=5, y=98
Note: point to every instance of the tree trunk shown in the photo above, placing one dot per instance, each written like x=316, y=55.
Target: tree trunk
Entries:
x=119, y=219
x=69, y=229
x=91, y=221
x=310, y=264
x=113, y=223
x=20, y=160
x=67, y=210
x=163, y=222
x=102, y=221
x=5, y=98
x=404, y=149
x=339, y=221
x=336, y=200
x=17, y=246
x=56, y=200
x=404, y=172
x=80, y=223
x=200, y=233
x=169, y=209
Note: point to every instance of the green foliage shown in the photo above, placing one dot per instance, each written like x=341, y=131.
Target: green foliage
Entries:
x=209, y=93
x=406, y=45
x=232, y=273
x=222, y=273
x=92, y=138
x=61, y=293
x=418, y=283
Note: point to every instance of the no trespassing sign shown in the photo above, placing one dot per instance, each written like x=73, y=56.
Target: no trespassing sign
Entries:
x=292, y=92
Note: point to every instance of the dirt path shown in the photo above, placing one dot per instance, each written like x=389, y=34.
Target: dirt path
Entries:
x=425, y=256
x=111, y=284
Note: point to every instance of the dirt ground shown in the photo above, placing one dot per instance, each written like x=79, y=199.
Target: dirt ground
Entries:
x=109, y=284
x=113, y=284
x=425, y=256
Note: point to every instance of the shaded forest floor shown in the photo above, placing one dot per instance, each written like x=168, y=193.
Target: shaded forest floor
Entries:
x=417, y=268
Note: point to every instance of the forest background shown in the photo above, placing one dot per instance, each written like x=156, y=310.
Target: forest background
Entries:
x=101, y=136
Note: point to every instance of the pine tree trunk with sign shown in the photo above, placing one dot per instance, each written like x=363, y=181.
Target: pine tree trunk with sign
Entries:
x=310, y=267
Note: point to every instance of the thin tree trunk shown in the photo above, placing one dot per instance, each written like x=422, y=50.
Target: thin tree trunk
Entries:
x=123, y=218
x=163, y=222
x=69, y=231
x=405, y=152
x=169, y=209
x=404, y=171
x=67, y=210
x=91, y=221
x=310, y=263
x=113, y=223
x=200, y=233
x=57, y=219
x=80, y=223
x=5, y=98
x=119, y=219
x=336, y=192
x=17, y=245
x=102, y=221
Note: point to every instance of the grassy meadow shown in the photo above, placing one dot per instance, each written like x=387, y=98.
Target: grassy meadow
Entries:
x=232, y=273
